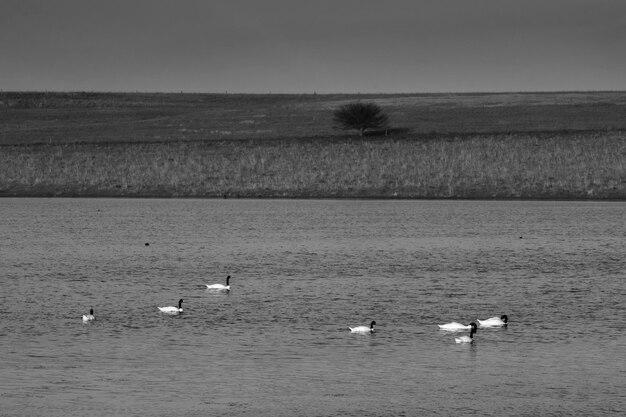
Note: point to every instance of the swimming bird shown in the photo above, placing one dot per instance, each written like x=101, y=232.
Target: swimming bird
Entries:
x=171, y=309
x=494, y=321
x=470, y=338
x=220, y=287
x=454, y=326
x=363, y=329
x=88, y=317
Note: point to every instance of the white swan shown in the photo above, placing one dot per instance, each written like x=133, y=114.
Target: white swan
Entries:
x=494, y=321
x=171, y=309
x=220, y=287
x=363, y=329
x=454, y=326
x=88, y=317
x=470, y=338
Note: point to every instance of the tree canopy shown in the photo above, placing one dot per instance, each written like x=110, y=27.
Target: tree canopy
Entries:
x=360, y=116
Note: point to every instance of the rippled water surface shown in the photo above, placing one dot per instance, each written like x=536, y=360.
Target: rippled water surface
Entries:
x=277, y=344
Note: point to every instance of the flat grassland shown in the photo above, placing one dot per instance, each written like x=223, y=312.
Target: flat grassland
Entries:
x=505, y=145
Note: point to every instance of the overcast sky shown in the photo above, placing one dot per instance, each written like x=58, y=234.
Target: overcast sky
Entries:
x=326, y=46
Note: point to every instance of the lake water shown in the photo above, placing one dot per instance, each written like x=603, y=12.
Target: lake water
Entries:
x=277, y=344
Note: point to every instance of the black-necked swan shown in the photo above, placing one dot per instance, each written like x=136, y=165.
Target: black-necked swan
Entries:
x=171, y=309
x=454, y=326
x=220, y=287
x=494, y=321
x=88, y=317
x=470, y=338
x=363, y=329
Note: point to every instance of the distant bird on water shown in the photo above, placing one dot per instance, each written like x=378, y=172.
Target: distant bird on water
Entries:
x=501, y=321
x=171, y=309
x=363, y=329
x=220, y=287
x=454, y=326
x=88, y=317
x=470, y=338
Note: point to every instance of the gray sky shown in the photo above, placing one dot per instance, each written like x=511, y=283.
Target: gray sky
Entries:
x=327, y=46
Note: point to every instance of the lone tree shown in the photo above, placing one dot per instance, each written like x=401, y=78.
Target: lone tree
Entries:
x=360, y=116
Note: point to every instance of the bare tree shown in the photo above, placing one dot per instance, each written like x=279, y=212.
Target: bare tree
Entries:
x=360, y=116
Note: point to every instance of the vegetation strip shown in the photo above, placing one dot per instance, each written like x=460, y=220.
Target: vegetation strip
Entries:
x=562, y=166
x=514, y=145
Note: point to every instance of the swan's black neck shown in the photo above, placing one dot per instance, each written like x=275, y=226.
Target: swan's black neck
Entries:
x=91, y=311
x=473, y=330
x=180, y=302
x=228, y=280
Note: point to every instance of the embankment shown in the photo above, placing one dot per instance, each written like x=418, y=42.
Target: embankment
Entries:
x=561, y=165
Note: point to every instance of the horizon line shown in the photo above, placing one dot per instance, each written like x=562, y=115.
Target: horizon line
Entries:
x=226, y=92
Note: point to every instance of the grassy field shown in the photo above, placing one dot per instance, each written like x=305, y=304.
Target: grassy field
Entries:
x=515, y=145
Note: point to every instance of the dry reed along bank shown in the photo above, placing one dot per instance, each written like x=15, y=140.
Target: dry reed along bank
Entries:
x=534, y=166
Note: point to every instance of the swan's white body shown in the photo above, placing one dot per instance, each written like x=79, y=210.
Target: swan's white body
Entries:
x=363, y=329
x=470, y=338
x=88, y=317
x=463, y=339
x=494, y=321
x=220, y=287
x=171, y=309
x=454, y=326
